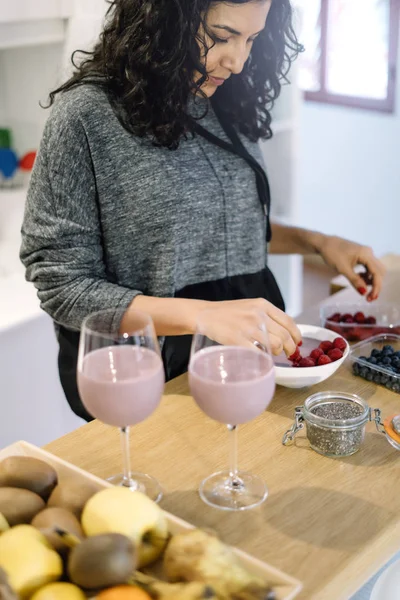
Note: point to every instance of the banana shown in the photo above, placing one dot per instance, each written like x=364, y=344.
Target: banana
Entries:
x=6, y=593
x=3, y=523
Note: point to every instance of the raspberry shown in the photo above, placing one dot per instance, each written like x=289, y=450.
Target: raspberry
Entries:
x=352, y=334
x=339, y=343
x=323, y=360
x=296, y=356
x=345, y=318
x=316, y=353
x=359, y=317
x=335, y=318
x=307, y=362
x=335, y=354
x=336, y=328
x=370, y=321
x=325, y=346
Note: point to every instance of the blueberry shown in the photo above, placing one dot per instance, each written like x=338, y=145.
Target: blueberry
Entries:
x=363, y=371
x=384, y=379
x=397, y=354
x=372, y=360
x=362, y=358
x=377, y=378
x=388, y=348
x=386, y=361
x=396, y=387
x=396, y=362
x=375, y=352
x=356, y=369
x=388, y=385
x=369, y=376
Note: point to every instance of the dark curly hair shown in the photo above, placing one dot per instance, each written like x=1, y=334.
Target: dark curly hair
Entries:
x=149, y=50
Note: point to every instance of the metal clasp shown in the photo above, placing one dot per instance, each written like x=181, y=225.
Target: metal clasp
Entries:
x=377, y=419
x=296, y=427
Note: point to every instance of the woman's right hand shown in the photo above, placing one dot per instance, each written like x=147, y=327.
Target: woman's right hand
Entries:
x=243, y=322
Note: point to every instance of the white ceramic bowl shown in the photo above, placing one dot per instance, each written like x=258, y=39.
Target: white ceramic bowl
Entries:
x=301, y=377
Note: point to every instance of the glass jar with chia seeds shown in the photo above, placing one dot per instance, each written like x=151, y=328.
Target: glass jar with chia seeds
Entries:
x=335, y=423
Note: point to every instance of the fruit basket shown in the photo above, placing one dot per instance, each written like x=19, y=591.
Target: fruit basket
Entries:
x=360, y=321
x=378, y=360
x=284, y=586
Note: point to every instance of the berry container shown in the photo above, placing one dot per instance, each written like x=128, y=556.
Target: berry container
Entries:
x=386, y=317
x=378, y=360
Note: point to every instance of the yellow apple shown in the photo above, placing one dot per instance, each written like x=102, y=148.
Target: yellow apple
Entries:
x=119, y=510
x=28, y=560
x=59, y=591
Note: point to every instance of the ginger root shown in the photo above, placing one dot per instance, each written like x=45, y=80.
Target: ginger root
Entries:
x=198, y=556
x=160, y=590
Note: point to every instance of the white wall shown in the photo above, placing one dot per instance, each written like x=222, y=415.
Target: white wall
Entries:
x=27, y=76
x=349, y=173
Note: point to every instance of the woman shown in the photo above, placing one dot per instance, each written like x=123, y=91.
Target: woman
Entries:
x=148, y=193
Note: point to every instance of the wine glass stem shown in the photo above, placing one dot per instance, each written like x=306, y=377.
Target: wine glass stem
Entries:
x=234, y=478
x=126, y=458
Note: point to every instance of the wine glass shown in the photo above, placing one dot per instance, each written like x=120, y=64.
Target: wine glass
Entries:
x=121, y=380
x=232, y=384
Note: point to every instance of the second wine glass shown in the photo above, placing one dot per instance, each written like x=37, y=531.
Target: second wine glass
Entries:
x=232, y=385
x=121, y=381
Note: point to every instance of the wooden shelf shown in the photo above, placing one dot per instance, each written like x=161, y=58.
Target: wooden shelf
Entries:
x=33, y=22
x=19, y=11
x=31, y=33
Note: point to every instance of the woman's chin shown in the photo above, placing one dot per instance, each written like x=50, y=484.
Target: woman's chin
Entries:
x=209, y=89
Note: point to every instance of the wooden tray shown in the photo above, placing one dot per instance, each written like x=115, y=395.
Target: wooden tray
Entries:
x=286, y=588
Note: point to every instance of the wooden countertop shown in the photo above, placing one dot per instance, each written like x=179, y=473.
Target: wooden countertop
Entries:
x=331, y=523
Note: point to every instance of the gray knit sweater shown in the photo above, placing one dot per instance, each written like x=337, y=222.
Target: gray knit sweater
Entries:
x=109, y=216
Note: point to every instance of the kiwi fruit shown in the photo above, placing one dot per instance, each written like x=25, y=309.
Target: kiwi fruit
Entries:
x=102, y=561
x=28, y=473
x=19, y=506
x=53, y=518
x=72, y=494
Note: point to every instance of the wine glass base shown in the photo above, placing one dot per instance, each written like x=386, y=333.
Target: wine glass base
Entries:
x=219, y=491
x=140, y=482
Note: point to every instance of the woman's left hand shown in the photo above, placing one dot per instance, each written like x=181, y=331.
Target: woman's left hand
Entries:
x=344, y=256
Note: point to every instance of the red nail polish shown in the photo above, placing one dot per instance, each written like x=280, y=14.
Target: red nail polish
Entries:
x=362, y=291
x=300, y=344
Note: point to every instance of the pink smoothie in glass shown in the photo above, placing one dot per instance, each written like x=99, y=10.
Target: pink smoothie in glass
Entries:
x=230, y=384
x=121, y=385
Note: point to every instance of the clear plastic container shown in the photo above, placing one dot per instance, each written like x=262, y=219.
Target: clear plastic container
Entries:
x=387, y=317
x=362, y=366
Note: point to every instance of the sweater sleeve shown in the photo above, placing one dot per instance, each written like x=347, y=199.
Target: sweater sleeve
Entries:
x=61, y=232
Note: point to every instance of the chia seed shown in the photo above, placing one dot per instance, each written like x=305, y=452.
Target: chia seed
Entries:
x=332, y=439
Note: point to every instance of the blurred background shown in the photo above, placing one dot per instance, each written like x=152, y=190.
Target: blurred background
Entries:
x=332, y=163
